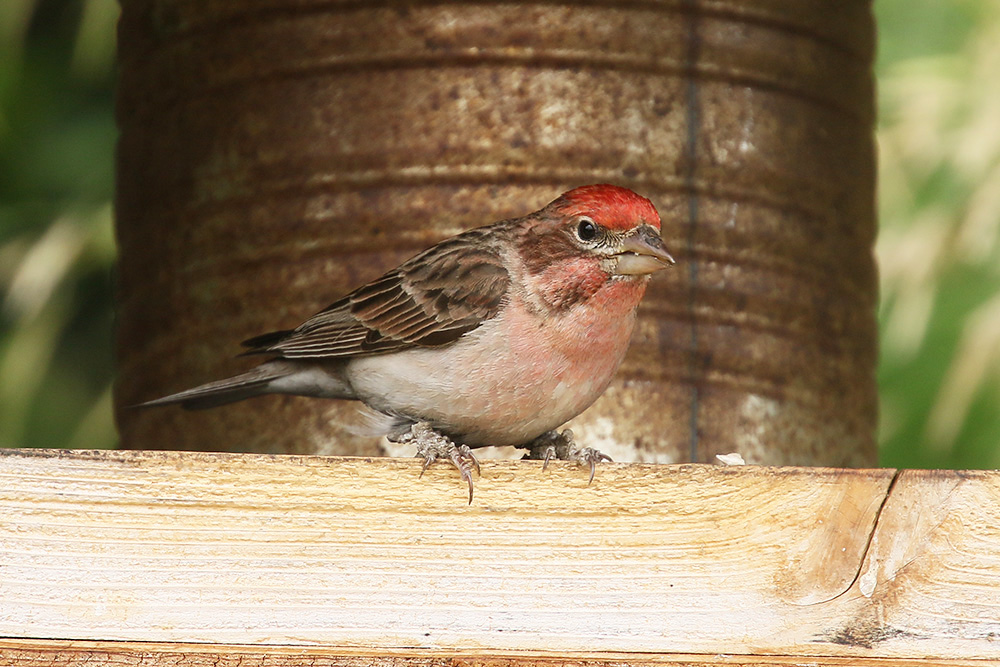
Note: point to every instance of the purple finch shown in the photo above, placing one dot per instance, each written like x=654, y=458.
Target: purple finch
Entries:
x=495, y=336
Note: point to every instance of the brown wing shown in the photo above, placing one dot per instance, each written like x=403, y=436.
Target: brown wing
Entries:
x=432, y=299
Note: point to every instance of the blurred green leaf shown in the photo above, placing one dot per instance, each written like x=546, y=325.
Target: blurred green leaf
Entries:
x=939, y=255
x=56, y=244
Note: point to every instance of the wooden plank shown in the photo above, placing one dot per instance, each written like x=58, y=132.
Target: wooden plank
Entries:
x=253, y=549
x=50, y=653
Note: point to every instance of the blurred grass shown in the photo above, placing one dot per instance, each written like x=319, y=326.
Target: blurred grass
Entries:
x=939, y=249
x=57, y=140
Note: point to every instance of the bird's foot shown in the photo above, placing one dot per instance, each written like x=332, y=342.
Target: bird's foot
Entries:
x=561, y=446
x=432, y=446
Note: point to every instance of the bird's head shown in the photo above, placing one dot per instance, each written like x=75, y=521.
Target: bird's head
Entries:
x=614, y=224
x=590, y=236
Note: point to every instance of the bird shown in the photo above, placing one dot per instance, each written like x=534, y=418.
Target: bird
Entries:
x=495, y=336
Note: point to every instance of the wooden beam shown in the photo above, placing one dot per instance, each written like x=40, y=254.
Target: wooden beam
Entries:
x=362, y=555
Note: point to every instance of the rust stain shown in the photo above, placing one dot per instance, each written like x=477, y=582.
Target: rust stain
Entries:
x=272, y=158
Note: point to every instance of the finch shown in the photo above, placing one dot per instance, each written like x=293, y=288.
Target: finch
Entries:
x=495, y=336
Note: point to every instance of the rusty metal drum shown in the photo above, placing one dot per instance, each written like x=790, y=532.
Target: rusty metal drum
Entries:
x=274, y=154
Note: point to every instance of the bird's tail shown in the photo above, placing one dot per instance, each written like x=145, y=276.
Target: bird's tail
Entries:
x=254, y=382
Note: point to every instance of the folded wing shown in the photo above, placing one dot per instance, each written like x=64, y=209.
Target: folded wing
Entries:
x=430, y=300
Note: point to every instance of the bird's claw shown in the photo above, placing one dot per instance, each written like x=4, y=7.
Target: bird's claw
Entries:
x=589, y=455
x=432, y=446
x=561, y=446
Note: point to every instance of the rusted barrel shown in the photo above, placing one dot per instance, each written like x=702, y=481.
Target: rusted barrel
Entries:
x=276, y=153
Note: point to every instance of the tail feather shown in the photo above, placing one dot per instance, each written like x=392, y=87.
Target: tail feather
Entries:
x=254, y=382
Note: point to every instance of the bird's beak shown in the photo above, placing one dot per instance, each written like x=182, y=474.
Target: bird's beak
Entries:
x=642, y=252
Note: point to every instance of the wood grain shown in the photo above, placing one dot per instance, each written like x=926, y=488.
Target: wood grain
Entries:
x=361, y=554
x=62, y=653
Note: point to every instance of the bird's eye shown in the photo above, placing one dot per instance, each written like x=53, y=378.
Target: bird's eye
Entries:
x=586, y=230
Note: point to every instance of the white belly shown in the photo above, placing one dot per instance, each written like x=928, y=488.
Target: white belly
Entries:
x=497, y=385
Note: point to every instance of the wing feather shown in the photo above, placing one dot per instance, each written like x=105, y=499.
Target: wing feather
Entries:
x=432, y=299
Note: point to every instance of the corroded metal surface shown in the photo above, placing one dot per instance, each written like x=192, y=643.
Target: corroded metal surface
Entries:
x=276, y=153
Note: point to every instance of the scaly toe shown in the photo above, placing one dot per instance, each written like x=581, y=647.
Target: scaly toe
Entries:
x=465, y=461
x=550, y=453
x=561, y=446
x=433, y=446
x=588, y=456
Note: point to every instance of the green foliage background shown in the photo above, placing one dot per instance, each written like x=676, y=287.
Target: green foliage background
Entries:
x=939, y=248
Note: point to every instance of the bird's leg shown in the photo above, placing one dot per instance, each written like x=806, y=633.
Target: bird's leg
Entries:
x=432, y=446
x=561, y=446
